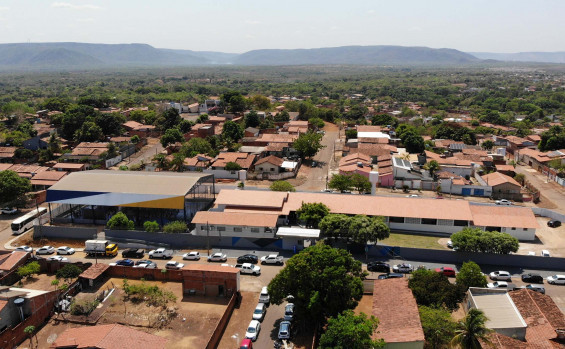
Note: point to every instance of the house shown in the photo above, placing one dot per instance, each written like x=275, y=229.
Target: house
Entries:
x=7, y=154
x=296, y=127
x=198, y=162
x=508, y=170
x=10, y=261
x=356, y=163
x=461, y=167
x=514, y=143
x=516, y=221
x=69, y=167
x=241, y=224
x=285, y=139
x=135, y=128
x=209, y=106
x=371, y=134
x=539, y=160
x=244, y=160
x=92, y=151
x=44, y=179
x=200, y=131
x=251, y=132
x=113, y=336
x=399, y=320
x=503, y=186
x=193, y=108
x=269, y=164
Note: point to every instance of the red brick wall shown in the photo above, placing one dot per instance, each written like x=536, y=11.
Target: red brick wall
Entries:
x=221, y=326
x=142, y=273
x=198, y=280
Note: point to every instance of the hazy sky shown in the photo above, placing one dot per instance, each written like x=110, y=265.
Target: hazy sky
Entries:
x=242, y=25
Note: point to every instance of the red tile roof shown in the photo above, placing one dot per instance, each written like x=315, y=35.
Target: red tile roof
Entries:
x=13, y=259
x=94, y=271
x=503, y=216
x=108, y=337
x=395, y=307
x=496, y=178
x=271, y=160
x=245, y=160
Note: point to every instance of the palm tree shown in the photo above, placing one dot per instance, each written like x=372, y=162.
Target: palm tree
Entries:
x=471, y=330
x=30, y=330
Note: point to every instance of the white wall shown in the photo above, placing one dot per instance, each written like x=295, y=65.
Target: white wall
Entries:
x=458, y=170
x=521, y=234
x=246, y=232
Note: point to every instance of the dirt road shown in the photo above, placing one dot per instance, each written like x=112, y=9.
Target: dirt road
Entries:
x=553, y=195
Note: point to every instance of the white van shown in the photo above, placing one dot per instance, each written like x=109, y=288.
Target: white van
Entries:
x=264, y=296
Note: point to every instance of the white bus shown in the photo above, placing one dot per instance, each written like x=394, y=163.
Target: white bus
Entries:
x=25, y=222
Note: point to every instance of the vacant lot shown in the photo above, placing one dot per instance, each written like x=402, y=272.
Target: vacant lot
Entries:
x=417, y=241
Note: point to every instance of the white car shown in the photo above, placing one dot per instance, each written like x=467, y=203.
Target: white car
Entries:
x=145, y=264
x=498, y=284
x=24, y=248
x=191, y=256
x=500, y=275
x=403, y=268
x=45, y=250
x=174, y=265
x=65, y=250
x=8, y=210
x=259, y=312
x=545, y=253
x=217, y=257
x=503, y=202
x=253, y=330
x=556, y=279
x=449, y=243
x=58, y=259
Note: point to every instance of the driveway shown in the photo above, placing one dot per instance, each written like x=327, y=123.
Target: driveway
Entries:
x=316, y=176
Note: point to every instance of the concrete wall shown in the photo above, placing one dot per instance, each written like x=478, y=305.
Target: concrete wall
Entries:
x=452, y=257
x=544, y=212
x=223, y=174
x=64, y=232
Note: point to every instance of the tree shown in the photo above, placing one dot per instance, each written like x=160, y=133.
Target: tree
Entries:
x=471, y=331
x=135, y=139
x=29, y=270
x=89, y=132
x=68, y=272
x=312, y=213
x=351, y=134
x=335, y=226
x=477, y=240
x=364, y=229
x=438, y=326
x=185, y=126
x=30, y=331
x=340, y=182
x=350, y=331
x=487, y=145
x=384, y=119
x=151, y=226
x=196, y=146
x=360, y=183
x=308, y=144
x=251, y=119
x=169, y=119
x=317, y=122
x=470, y=275
x=232, y=131
x=175, y=227
x=432, y=167
x=171, y=136
x=13, y=187
x=433, y=289
x=161, y=161
x=111, y=124
x=413, y=142
x=178, y=162
x=120, y=221
x=282, y=116
x=282, y=186
x=261, y=102
x=237, y=103
x=232, y=166
x=520, y=178
x=74, y=119
x=323, y=280
x=112, y=151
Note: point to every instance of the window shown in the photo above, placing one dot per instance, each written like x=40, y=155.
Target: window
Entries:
x=513, y=228
x=429, y=221
x=254, y=230
x=525, y=229
x=237, y=229
x=396, y=220
x=459, y=223
x=221, y=228
x=272, y=169
x=203, y=227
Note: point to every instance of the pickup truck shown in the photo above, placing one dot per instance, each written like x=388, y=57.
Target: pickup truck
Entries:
x=133, y=253
x=272, y=259
x=161, y=253
x=248, y=268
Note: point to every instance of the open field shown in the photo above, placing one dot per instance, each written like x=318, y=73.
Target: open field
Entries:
x=416, y=241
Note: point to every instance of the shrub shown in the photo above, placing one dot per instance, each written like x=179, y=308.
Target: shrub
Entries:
x=69, y=271
x=232, y=166
x=282, y=186
x=175, y=227
x=84, y=307
x=29, y=270
x=151, y=226
x=120, y=221
x=153, y=295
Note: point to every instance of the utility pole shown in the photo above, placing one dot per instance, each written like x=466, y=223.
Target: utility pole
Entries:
x=208, y=237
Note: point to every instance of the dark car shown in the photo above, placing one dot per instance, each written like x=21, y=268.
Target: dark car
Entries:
x=390, y=276
x=248, y=258
x=133, y=253
x=378, y=266
x=554, y=223
x=532, y=278
x=125, y=263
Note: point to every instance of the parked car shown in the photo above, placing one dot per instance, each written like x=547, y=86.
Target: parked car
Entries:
x=503, y=202
x=535, y=287
x=501, y=284
x=554, y=223
x=45, y=250
x=264, y=296
x=253, y=330
x=289, y=312
x=173, y=265
x=248, y=258
x=390, y=276
x=191, y=256
x=161, y=253
x=556, y=279
x=378, y=266
x=24, y=248
x=532, y=277
x=217, y=257
x=449, y=243
x=449, y=272
x=58, y=259
x=65, y=250
x=246, y=343
x=144, y=263
x=272, y=259
x=314, y=164
x=133, y=253
x=259, y=312
x=9, y=210
x=500, y=275
x=248, y=268
x=125, y=263
x=545, y=253
x=403, y=268
x=284, y=330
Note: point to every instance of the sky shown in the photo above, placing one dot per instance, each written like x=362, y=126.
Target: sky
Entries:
x=242, y=25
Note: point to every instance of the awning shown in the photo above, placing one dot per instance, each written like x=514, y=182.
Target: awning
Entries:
x=298, y=232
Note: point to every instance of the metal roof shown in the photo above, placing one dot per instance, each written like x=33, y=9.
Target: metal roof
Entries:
x=124, y=188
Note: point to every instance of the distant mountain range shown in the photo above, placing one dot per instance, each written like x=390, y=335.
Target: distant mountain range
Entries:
x=70, y=55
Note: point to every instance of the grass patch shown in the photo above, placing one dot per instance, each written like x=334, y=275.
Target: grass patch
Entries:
x=409, y=240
